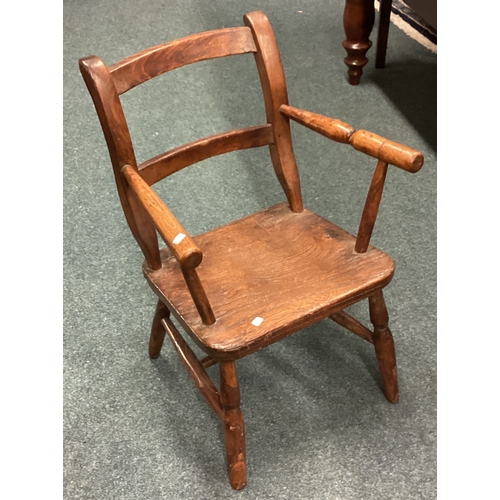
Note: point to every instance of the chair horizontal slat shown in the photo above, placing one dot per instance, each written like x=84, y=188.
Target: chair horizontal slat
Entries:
x=163, y=165
x=155, y=61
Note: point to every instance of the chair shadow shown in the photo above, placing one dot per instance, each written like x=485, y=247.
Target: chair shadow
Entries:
x=412, y=87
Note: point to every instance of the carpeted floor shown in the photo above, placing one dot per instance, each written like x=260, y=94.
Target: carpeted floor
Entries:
x=318, y=425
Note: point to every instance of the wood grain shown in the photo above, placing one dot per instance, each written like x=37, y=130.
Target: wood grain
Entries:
x=370, y=210
x=250, y=283
x=157, y=60
x=163, y=165
x=115, y=129
x=291, y=269
x=234, y=426
x=272, y=79
x=388, y=151
x=185, y=251
x=329, y=127
x=384, y=346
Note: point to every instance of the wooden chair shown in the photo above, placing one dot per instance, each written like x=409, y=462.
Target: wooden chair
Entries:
x=257, y=280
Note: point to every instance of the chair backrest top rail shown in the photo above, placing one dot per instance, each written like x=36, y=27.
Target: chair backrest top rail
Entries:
x=152, y=62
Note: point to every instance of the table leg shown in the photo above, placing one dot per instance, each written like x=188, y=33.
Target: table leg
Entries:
x=359, y=16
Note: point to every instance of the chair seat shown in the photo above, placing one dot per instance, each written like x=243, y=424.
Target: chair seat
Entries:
x=268, y=275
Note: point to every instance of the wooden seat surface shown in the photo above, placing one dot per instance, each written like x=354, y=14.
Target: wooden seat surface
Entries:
x=289, y=269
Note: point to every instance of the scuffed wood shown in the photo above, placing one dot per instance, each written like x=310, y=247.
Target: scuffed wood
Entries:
x=234, y=426
x=290, y=269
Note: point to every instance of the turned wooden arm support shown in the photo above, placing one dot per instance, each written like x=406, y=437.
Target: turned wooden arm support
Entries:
x=175, y=236
x=386, y=151
x=369, y=143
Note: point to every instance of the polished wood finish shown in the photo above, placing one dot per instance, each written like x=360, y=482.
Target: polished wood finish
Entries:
x=359, y=16
x=243, y=286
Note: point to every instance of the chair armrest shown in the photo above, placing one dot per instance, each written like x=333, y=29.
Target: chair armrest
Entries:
x=387, y=151
x=369, y=143
x=329, y=127
x=175, y=236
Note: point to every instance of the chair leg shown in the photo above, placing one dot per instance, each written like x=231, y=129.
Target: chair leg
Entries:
x=234, y=428
x=384, y=346
x=157, y=330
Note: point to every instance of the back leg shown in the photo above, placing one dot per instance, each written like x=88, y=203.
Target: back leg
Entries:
x=157, y=330
x=384, y=346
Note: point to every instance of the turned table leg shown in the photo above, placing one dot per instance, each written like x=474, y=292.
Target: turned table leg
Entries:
x=359, y=16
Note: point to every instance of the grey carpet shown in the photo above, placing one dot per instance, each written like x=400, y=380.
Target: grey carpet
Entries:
x=318, y=425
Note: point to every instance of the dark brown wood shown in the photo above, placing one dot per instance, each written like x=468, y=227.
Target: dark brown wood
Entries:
x=391, y=152
x=306, y=264
x=359, y=16
x=152, y=62
x=370, y=210
x=384, y=346
x=329, y=127
x=157, y=331
x=114, y=126
x=234, y=427
x=194, y=368
x=272, y=79
x=271, y=273
x=383, y=32
x=352, y=324
x=163, y=165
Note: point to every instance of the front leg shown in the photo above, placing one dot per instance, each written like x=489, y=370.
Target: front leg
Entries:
x=234, y=428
